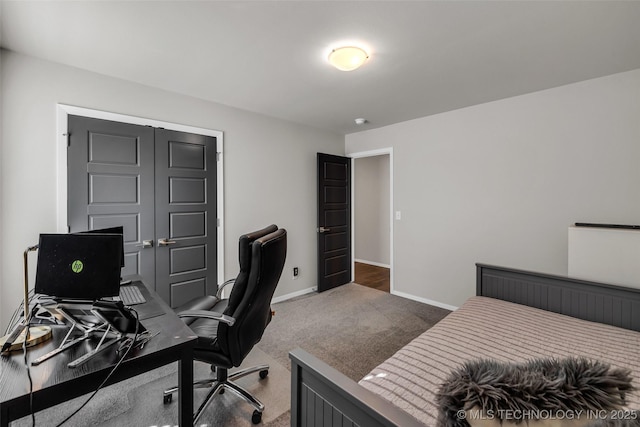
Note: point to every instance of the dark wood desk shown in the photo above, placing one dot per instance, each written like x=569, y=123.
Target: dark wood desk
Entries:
x=54, y=382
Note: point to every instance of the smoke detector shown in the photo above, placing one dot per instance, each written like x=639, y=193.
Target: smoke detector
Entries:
x=360, y=121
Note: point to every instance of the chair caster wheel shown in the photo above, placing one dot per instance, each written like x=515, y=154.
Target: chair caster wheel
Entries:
x=256, y=417
x=166, y=399
x=263, y=374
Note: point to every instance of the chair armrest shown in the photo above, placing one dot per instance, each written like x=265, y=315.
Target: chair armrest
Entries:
x=221, y=287
x=204, y=314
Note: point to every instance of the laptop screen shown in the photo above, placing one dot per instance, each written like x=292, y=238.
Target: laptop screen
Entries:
x=111, y=230
x=79, y=266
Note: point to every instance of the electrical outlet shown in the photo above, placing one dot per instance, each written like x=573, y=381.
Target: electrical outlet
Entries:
x=296, y=272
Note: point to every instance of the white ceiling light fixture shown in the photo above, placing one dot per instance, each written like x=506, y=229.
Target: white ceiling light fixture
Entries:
x=348, y=58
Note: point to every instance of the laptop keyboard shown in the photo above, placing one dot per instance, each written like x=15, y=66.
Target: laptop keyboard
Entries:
x=131, y=295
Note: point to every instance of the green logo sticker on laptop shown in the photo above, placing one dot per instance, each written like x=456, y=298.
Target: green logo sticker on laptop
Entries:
x=77, y=266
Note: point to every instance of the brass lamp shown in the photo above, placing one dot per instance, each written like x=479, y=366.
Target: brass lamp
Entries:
x=34, y=334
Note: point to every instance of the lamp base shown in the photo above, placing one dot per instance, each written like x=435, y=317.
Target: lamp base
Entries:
x=37, y=334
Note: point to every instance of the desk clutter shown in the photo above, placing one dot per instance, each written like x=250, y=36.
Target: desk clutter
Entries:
x=78, y=285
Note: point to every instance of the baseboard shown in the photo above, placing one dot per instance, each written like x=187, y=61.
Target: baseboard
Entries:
x=377, y=264
x=293, y=295
x=397, y=293
x=425, y=301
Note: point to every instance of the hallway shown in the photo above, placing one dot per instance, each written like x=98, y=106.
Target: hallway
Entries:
x=372, y=276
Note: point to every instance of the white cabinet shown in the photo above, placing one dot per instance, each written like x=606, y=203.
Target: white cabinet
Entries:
x=609, y=255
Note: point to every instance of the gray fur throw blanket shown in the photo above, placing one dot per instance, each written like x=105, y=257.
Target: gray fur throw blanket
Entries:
x=571, y=384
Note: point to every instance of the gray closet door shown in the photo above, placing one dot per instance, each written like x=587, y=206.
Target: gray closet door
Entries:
x=186, y=256
x=160, y=185
x=110, y=183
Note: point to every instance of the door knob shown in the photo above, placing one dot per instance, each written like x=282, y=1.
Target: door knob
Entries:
x=145, y=244
x=324, y=230
x=165, y=242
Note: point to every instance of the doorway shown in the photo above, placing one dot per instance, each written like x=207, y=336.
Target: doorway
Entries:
x=161, y=181
x=372, y=202
x=372, y=276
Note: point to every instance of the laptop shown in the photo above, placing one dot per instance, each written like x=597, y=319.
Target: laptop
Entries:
x=79, y=266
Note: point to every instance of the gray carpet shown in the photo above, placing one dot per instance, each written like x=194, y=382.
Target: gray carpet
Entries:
x=352, y=328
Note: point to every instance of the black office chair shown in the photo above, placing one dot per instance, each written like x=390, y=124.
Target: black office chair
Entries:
x=231, y=327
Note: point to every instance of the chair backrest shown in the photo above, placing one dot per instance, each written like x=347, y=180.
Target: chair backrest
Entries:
x=251, y=305
x=244, y=258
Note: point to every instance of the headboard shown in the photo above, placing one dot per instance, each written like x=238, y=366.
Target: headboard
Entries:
x=593, y=301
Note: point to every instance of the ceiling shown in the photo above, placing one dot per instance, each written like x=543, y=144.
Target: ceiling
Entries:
x=269, y=57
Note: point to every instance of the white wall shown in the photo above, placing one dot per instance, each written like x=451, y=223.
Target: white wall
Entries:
x=270, y=165
x=501, y=182
x=371, y=199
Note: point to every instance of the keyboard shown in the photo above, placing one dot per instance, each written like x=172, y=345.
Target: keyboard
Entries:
x=131, y=295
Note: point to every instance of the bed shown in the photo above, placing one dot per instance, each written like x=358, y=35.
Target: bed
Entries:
x=516, y=316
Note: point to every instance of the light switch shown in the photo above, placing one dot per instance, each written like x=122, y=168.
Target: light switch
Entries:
x=398, y=215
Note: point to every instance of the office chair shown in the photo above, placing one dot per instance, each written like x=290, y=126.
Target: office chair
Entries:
x=231, y=327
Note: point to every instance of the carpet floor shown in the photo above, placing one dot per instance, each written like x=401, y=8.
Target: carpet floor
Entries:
x=352, y=328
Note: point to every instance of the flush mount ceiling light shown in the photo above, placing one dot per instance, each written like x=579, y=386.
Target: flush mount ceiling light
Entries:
x=347, y=58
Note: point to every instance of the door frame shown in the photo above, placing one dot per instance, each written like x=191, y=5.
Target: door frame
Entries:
x=358, y=155
x=62, y=117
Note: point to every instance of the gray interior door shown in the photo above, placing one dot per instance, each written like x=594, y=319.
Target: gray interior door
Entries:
x=110, y=183
x=160, y=185
x=334, y=221
x=186, y=252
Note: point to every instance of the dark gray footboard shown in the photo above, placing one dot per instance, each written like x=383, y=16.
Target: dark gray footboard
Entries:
x=323, y=397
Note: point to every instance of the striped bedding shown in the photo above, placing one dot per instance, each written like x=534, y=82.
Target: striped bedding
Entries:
x=489, y=328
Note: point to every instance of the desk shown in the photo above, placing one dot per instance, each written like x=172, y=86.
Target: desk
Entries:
x=54, y=382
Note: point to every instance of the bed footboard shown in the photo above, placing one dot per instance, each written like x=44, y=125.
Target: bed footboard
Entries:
x=322, y=397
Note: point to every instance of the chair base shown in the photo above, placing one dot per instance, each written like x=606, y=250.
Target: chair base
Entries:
x=222, y=382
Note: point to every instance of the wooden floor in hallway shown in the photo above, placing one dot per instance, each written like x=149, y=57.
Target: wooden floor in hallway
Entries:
x=372, y=276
